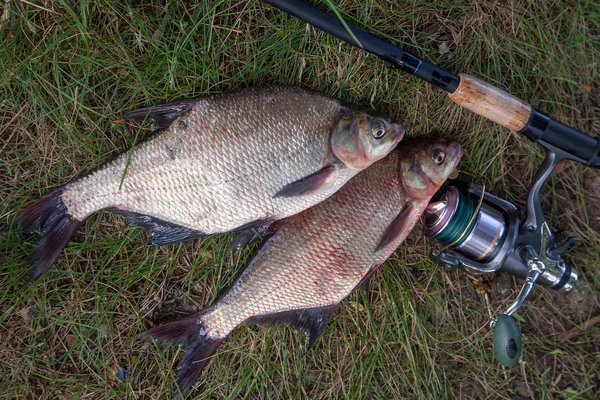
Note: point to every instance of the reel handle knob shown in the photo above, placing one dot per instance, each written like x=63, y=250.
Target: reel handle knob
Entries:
x=508, y=343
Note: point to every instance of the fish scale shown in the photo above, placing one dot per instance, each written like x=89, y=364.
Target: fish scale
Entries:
x=318, y=257
x=222, y=163
x=211, y=158
x=329, y=238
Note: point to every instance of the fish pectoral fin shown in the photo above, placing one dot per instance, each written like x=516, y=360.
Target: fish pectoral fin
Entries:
x=162, y=114
x=163, y=232
x=311, y=183
x=396, y=228
x=310, y=321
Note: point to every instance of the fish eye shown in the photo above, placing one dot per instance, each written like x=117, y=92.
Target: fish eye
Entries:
x=377, y=130
x=438, y=156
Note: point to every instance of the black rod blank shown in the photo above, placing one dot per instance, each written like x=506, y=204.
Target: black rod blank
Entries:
x=386, y=51
x=540, y=128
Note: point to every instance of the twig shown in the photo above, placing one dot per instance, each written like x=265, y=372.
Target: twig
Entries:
x=5, y=18
x=578, y=331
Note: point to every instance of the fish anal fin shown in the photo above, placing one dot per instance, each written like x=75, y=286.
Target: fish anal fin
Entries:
x=257, y=224
x=311, y=183
x=251, y=235
x=396, y=228
x=363, y=285
x=162, y=114
x=310, y=321
x=163, y=232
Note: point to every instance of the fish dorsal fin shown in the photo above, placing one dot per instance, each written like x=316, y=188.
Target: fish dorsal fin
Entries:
x=163, y=232
x=311, y=321
x=311, y=183
x=396, y=228
x=162, y=114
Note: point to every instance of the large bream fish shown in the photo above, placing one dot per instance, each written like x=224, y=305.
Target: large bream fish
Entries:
x=223, y=163
x=318, y=257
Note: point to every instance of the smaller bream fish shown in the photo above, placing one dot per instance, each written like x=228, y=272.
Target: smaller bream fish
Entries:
x=318, y=257
x=227, y=162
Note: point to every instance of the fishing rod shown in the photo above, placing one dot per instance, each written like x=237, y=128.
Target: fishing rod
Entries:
x=465, y=90
x=480, y=231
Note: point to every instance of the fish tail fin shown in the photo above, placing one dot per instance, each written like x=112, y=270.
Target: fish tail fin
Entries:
x=200, y=348
x=50, y=216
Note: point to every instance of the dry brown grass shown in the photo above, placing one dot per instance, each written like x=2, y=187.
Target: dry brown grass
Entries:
x=70, y=73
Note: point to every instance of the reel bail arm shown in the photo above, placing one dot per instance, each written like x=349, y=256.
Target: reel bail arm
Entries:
x=496, y=240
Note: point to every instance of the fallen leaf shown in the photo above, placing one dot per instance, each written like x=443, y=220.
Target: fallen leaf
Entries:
x=443, y=48
x=29, y=311
x=69, y=340
x=561, y=166
x=482, y=286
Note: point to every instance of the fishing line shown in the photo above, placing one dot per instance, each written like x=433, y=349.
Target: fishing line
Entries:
x=456, y=227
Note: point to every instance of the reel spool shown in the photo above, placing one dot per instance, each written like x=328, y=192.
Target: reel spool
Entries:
x=483, y=232
x=459, y=222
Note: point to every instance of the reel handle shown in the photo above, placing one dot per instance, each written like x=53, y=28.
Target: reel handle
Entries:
x=508, y=344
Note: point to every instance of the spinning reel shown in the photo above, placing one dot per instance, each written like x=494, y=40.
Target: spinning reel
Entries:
x=482, y=232
x=484, y=235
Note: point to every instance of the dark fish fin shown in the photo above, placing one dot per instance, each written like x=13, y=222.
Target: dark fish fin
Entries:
x=162, y=114
x=193, y=362
x=50, y=216
x=200, y=347
x=179, y=331
x=163, y=232
x=251, y=235
x=309, y=184
x=363, y=285
x=395, y=227
x=257, y=224
x=310, y=321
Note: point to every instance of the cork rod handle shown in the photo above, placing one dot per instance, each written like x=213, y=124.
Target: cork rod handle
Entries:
x=491, y=103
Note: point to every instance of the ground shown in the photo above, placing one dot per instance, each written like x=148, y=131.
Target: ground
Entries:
x=72, y=69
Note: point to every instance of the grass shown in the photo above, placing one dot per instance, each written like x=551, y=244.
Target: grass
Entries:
x=71, y=69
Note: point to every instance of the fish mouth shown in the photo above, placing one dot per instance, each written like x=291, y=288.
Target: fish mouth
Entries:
x=459, y=153
x=400, y=132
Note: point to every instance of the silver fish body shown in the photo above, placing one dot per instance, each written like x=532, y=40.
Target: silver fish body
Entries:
x=318, y=257
x=223, y=163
